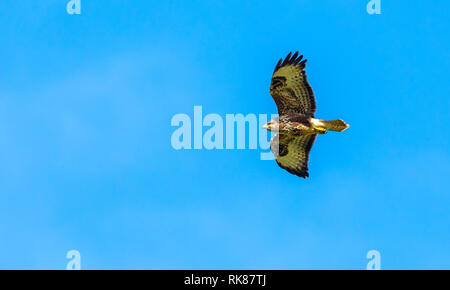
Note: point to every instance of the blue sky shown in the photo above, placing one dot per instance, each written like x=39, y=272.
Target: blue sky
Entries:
x=86, y=161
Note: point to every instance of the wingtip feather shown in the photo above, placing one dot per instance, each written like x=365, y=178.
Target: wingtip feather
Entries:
x=293, y=59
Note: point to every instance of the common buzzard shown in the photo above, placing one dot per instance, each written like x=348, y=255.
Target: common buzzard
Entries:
x=295, y=125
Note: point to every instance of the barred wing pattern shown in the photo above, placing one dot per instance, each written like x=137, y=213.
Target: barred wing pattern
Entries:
x=290, y=89
x=292, y=152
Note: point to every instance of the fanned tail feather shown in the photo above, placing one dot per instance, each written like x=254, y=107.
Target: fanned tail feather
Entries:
x=335, y=125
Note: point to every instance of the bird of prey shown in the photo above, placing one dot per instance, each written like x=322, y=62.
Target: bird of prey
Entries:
x=295, y=127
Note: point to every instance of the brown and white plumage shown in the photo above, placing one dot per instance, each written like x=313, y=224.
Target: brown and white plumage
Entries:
x=296, y=126
x=290, y=88
x=292, y=152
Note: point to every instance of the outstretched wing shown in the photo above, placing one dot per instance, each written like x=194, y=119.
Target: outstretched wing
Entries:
x=292, y=152
x=289, y=87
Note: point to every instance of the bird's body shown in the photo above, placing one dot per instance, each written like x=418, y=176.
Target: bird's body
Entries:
x=301, y=124
x=295, y=126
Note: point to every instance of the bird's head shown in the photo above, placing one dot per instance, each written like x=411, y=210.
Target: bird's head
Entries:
x=272, y=125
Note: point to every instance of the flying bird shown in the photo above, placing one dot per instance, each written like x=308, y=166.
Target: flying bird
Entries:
x=295, y=127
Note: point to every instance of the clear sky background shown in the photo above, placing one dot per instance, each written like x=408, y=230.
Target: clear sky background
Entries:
x=86, y=161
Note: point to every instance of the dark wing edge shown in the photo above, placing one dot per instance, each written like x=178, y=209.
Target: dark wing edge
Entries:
x=291, y=60
x=290, y=88
x=292, y=153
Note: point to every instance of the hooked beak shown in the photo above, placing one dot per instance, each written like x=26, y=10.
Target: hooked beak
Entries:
x=266, y=126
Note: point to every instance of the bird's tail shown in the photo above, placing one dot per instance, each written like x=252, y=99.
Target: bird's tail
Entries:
x=334, y=125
